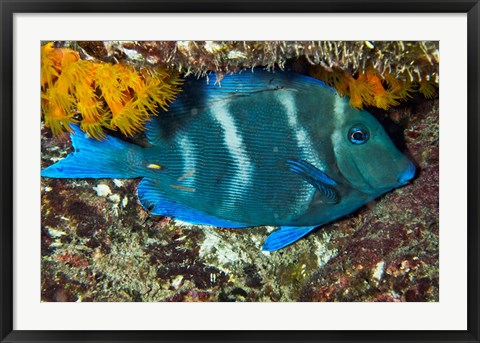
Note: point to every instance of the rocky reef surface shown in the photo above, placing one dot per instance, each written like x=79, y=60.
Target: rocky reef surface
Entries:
x=98, y=244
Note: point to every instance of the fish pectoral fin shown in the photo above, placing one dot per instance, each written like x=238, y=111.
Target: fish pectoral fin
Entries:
x=318, y=179
x=284, y=236
x=153, y=199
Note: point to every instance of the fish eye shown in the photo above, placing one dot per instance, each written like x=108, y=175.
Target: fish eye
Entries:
x=358, y=135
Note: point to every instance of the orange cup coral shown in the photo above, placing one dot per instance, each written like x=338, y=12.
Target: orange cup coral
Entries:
x=371, y=89
x=100, y=95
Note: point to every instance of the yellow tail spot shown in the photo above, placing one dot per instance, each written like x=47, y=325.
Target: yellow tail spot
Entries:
x=154, y=166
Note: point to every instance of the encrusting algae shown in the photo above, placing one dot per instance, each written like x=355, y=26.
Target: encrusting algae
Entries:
x=100, y=95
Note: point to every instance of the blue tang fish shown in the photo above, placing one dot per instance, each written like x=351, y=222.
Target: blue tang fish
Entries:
x=262, y=148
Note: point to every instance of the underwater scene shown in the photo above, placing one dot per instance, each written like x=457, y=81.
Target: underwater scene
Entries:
x=252, y=171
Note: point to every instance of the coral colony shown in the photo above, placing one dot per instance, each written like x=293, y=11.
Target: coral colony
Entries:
x=103, y=95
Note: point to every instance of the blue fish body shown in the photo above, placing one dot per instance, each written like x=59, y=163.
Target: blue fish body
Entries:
x=278, y=149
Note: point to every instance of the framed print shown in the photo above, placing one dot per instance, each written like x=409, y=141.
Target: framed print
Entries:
x=202, y=170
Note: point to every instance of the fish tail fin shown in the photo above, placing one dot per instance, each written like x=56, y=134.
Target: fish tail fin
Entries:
x=109, y=158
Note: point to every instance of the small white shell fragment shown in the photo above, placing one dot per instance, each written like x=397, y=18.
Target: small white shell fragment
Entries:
x=114, y=197
x=236, y=55
x=102, y=190
x=118, y=183
x=55, y=233
x=378, y=272
x=213, y=47
x=177, y=281
x=132, y=54
x=56, y=243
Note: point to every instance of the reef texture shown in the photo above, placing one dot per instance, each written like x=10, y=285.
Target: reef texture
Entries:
x=417, y=59
x=98, y=244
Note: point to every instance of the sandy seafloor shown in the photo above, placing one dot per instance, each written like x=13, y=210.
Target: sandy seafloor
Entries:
x=98, y=244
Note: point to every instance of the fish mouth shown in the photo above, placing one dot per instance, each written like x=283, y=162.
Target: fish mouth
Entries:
x=369, y=187
x=407, y=175
x=403, y=179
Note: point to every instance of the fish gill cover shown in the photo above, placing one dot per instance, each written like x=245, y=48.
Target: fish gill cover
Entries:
x=387, y=251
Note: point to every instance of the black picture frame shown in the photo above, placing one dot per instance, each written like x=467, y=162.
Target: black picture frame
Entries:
x=10, y=7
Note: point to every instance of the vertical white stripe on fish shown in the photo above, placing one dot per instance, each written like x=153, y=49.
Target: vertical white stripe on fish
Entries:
x=189, y=161
x=339, y=110
x=304, y=140
x=305, y=145
x=235, y=146
x=339, y=106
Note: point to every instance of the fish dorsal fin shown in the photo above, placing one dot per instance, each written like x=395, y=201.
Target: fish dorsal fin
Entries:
x=199, y=93
x=318, y=179
x=284, y=236
x=253, y=81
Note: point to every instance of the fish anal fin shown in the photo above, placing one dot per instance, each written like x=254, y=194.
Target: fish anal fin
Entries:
x=284, y=236
x=155, y=201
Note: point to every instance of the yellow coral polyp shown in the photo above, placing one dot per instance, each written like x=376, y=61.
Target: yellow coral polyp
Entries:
x=356, y=100
x=58, y=120
x=107, y=79
x=48, y=71
x=361, y=92
x=428, y=89
x=57, y=109
x=130, y=78
x=79, y=74
x=58, y=97
x=403, y=89
x=90, y=109
x=129, y=120
x=370, y=88
x=104, y=95
x=94, y=127
x=53, y=61
x=152, y=94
